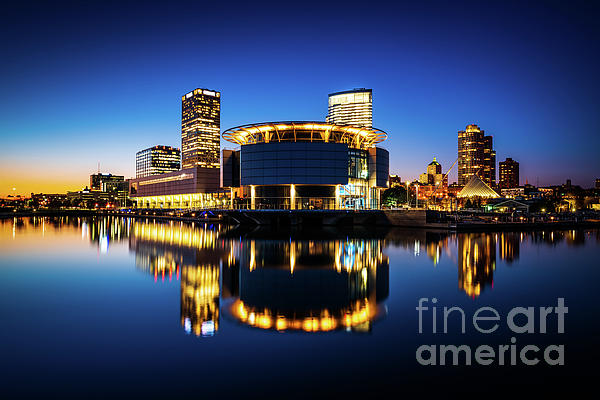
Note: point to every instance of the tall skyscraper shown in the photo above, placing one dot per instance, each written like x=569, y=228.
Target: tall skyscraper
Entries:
x=200, y=128
x=352, y=107
x=157, y=160
x=508, y=174
x=476, y=155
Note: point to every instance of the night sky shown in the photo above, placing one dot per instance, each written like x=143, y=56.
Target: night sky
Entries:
x=89, y=82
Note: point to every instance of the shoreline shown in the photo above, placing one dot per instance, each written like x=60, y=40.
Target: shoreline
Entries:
x=283, y=219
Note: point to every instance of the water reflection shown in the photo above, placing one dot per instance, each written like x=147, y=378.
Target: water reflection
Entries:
x=315, y=282
x=311, y=285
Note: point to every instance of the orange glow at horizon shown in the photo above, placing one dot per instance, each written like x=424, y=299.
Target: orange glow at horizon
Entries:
x=41, y=180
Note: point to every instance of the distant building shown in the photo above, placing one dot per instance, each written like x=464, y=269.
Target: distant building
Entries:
x=513, y=192
x=157, y=160
x=509, y=174
x=105, y=182
x=597, y=183
x=395, y=180
x=433, y=182
x=476, y=156
x=114, y=185
x=351, y=107
x=200, y=129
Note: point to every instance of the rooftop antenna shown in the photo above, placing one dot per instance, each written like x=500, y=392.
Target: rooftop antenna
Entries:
x=98, y=166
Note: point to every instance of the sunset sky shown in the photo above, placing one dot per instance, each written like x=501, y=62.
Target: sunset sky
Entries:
x=88, y=82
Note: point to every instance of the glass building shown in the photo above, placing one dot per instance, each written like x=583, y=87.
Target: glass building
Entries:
x=307, y=165
x=352, y=107
x=476, y=156
x=157, y=160
x=200, y=128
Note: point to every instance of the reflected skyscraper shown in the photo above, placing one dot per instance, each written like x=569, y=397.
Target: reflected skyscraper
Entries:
x=476, y=262
x=510, y=244
x=194, y=255
x=200, y=299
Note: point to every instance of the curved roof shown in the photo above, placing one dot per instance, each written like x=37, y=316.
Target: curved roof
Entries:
x=477, y=188
x=304, y=131
x=356, y=313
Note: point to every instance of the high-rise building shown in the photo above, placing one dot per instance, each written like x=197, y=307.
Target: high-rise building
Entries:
x=157, y=160
x=597, y=183
x=508, y=174
x=352, y=107
x=476, y=155
x=200, y=128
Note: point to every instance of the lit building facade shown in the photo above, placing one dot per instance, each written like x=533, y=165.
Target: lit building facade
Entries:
x=476, y=155
x=196, y=187
x=509, y=174
x=114, y=186
x=351, y=107
x=433, y=183
x=157, y=160
x=308, y=165
x=105, y=182
x=200, y=128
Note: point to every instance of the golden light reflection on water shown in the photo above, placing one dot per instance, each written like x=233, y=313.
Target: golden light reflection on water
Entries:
x=275, y=282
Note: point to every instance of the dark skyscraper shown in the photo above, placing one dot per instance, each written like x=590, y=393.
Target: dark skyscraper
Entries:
x=200, y=128
x=509, y=174
x=476, y=155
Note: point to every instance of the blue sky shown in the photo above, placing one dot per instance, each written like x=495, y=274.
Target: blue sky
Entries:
x=89, y=82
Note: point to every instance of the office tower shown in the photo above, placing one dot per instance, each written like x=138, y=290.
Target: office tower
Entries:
x=106, y=182
x=509, y=174
x=352, y=107
x=200, y=128
x=157, y=160
x=597, y=183
x=476, y=155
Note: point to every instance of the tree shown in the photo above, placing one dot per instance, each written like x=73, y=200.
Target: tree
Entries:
x=394, y=196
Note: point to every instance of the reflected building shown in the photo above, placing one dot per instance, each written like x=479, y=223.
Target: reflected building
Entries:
x=200, y=299
x=510, y=244
x=193, y=255
x=476, y=262
x=311, y=286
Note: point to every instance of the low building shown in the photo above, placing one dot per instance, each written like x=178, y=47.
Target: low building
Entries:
x=196, y=187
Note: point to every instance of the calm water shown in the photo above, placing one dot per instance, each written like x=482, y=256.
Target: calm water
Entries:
x=114, y=307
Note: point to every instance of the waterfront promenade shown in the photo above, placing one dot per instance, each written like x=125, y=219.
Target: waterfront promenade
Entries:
x=412, y=218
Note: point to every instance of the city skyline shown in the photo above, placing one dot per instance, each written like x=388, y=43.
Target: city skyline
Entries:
x=519, y=90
